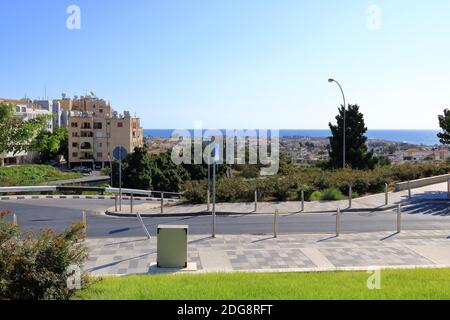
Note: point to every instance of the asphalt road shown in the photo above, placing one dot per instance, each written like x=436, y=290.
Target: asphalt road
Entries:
x=33, y=215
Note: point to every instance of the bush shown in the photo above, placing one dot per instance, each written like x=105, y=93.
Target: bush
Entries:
x=195, y=191
x=35, y=268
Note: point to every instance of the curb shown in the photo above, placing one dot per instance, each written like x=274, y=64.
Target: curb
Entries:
x=223, y=213
x=80, y=197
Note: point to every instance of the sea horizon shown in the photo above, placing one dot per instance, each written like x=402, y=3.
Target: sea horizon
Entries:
x=426, y=137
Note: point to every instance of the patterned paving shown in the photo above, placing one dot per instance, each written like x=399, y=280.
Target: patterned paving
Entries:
x=286, y=253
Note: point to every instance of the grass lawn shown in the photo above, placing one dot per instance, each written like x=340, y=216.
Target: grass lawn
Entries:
x=28, y=175
x=395, y=284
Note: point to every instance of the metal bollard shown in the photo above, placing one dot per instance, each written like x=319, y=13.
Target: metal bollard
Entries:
x=208, y=200
x=399, y=218
x=409, y=189
x=386, y=196
x=275, y=224
x=162, y=202
x=338, y=222
x=84, y=221
x=350, y=195
x=448, y=188
x=303, y=200
x=115, y=202
x=131, y=202
x=15, y=224
x=256, y=200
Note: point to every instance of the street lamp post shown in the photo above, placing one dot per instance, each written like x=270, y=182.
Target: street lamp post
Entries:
x=111, y=169
x=345, y=108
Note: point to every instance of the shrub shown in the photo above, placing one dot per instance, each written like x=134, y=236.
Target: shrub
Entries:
x=332, y=194
x=195, y=191
x=35, y=268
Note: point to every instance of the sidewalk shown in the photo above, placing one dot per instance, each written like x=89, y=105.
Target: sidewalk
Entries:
x=287, y=253
x=372, y=202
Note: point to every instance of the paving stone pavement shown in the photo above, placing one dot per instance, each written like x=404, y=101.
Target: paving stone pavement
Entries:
x=286, y=253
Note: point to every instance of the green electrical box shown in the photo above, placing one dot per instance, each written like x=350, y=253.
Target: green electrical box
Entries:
x=172, y=246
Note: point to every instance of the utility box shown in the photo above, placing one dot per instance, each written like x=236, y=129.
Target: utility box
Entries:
x=172, y=246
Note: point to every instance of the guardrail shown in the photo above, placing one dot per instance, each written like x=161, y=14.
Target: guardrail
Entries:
x=124, y=191
x=412, y=184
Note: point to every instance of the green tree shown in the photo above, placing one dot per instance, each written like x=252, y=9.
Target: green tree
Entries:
x=444, y=123
x=16, y=134
x=357, y=156
x=167, y=175
x=51, y=144
x=137, y=170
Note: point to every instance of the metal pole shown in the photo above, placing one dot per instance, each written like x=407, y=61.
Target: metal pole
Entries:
x=399, y=218
x=448, y=188
x=275, y=224
x=111, y=168
x=344, y=118
x=386, y=196
x=120, y=185
x=350, y=195
x=131, y=203
x=143, y=225
x=256, y=200
x=162, y=202
x=338, y=222
x=15, y=224
x=208, y=193
x=303, y=200
x=115, y=201
x=214, y=201
x=84, y=220
x=409, y=189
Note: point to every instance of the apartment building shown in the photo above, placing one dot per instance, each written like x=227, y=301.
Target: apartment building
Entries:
x=25, y=109
x=93, y=136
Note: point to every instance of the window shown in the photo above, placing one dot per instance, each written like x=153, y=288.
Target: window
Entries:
x=74, y=125
x=98, y=125
x=86, y=125
x=98, y=134
x=99, y=155
x=24, y=109
x=87, y=134
x=120, y=124
x=101, y=110
x=75, y=154
x=17, y=109
x=74, y=134
x=75, y=145
x=99, y=145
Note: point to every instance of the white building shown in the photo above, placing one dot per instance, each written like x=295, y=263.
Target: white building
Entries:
x=26, y=110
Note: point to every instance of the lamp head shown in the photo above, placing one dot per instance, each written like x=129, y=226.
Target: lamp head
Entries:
x=330, y=80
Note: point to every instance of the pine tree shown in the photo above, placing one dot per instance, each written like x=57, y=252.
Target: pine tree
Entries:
x=357, y=155
x=444, y=123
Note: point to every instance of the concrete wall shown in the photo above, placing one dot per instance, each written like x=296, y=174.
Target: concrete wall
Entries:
x=422, y=182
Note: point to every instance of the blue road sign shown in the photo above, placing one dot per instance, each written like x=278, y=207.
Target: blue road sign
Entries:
x=119, y=153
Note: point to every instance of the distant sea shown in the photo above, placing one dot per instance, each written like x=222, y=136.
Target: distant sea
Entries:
x=424, y=137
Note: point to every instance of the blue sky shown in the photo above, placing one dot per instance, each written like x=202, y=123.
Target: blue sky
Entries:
x=234, y=63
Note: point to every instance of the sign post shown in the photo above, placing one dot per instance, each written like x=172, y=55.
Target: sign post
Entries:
x=120, y=153
x=216, y=159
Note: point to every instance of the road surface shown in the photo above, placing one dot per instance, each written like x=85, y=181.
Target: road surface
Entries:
x=33, y=215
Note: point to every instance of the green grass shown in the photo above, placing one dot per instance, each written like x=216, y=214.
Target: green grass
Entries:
x=395, y=284
x=28, y=175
